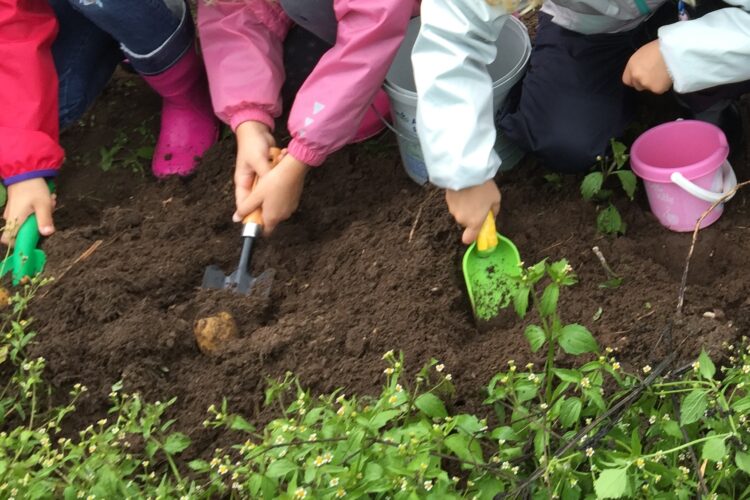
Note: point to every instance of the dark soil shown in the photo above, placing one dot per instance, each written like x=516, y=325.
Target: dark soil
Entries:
x=370, y=262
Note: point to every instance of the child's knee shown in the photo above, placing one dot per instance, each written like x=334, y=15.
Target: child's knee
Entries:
x=571, y=155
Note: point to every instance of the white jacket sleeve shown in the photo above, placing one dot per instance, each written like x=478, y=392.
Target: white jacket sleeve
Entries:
x=709, y=51
x=455, y=118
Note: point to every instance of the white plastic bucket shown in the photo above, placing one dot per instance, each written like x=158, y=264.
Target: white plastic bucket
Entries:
x=514, y=50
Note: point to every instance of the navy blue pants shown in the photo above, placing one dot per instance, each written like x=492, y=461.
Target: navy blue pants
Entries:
x=572, y=101
x=93, y=33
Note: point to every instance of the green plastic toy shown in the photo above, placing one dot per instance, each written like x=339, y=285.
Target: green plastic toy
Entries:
x=26, y=260
x=490, y=265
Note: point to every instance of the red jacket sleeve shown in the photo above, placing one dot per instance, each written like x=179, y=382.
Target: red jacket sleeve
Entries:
x=29, y=124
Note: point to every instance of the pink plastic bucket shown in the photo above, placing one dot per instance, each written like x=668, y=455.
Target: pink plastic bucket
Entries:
x=685, y=170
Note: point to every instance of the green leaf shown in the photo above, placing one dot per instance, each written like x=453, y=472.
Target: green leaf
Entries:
x=521, y=301
x=672, y=429
x=707, y=368
x=431, y=405
x=618, y=151
x=373, y=472
x=567, y=375
x=488, y=488
x=548, y=304
x=628, y=182
x=591, y=185
x=176, y=442
x=693, y=407
x=570, y=411
x=145, y=152
x=714, y=449
x=742, y=460
x=199, y=465
x=3, y=195
x=576, y=339
x=4, y=353
x=611, y=283
x=535, y=336
x=611, y=483
x=280, y=468
x=240, y=424
x=741, y=405
x=609, y=221
x=525, y=390
x=382, y=418
x=459, y=445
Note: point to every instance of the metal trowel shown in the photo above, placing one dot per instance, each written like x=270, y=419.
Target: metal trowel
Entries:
x=241, y=280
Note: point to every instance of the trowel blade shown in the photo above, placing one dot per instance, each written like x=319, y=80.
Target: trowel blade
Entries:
x=240, y=282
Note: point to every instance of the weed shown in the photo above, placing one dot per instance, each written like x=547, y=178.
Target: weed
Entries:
x=609, y=220
x=555, y=433
x=127, y=153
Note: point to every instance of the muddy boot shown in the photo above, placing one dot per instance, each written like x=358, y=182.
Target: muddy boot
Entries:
x=188, y=125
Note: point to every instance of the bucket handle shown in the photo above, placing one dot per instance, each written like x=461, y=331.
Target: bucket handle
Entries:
x=730, y=181
x=391, y=127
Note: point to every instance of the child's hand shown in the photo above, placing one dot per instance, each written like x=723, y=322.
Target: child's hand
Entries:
x=25, y=198
x=646, y=70
x=470, y=206
x=254, y=140
x=278, y=193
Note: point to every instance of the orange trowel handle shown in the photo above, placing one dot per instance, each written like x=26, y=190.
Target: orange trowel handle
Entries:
x=256, y=216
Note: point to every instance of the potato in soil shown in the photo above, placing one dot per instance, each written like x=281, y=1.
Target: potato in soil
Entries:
x=214, y=332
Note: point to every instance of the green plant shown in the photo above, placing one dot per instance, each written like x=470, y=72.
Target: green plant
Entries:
x=127, y=153
x=586, y=430
x=609, y=220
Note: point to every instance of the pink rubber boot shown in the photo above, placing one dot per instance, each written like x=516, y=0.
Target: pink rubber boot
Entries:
x=372, y=123
x=188, y=124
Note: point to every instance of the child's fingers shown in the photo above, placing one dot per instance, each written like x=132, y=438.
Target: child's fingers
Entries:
x=248, y=205
x=43, y=210
x=470, y=235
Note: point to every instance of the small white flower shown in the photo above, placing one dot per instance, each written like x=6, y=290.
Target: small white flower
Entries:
x=449, y=377
x=388, y=371
x=440, y=367
x=333, y=482
x=427, y=485
x=589, y=452
x=745, y=369
x=652, y=419
x=398, y=388
x=585, y=382
x=223, y=469
x=616, y=365
x=640, y=463
x=300, y=493
x=646, y=369
x=388, y=354
x=696, y=366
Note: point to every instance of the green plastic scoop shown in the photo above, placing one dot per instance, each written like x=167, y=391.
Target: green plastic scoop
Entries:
x=26, y=260
x=491, y=265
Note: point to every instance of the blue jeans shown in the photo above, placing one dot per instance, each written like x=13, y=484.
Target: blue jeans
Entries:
x=95, y=35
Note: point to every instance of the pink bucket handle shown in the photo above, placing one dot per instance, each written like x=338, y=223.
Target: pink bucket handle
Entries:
x=729, y=183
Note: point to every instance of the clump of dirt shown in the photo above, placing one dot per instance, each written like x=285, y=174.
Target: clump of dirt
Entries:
x=370, y=262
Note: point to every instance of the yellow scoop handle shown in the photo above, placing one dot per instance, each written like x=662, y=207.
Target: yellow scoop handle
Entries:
x=487, y=239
